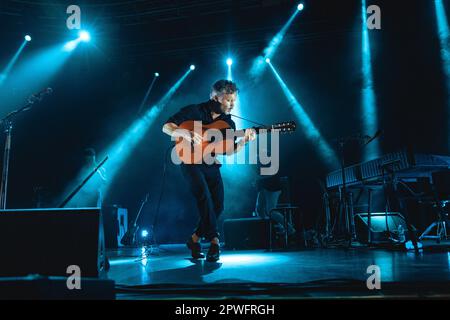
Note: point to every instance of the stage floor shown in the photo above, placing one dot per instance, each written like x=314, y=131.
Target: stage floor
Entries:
x=172, y=268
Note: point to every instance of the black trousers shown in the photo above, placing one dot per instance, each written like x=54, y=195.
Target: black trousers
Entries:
x=206, y=185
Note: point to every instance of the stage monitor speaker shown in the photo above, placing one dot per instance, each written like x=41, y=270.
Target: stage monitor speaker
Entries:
x=55, y=288
x=48, y=241
x=378, y=226
x=246, y=233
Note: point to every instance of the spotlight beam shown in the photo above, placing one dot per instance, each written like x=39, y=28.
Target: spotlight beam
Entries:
x=327, y=154
x=258, y=65
x=121, y=149
x=33, y=73
x=368, y=103
x=12, y=62
x=444, y=39
x=147, y=94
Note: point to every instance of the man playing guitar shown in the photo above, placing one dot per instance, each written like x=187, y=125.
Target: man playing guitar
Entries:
x=205, y=180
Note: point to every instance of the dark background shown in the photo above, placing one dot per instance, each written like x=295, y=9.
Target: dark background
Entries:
x=99, y=89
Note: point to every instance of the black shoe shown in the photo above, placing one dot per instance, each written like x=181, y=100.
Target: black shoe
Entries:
x=196, y=249
x=213, y=253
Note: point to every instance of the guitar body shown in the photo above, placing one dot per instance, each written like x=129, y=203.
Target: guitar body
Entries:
x=215, y=141
x=218, y=138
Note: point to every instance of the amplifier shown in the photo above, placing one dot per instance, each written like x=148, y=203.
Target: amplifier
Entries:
x=246, y=233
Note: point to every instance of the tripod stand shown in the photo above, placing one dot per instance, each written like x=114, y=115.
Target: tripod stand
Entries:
x=345, y=211
x=441, y=191
x=129, y=238
x=153, y=248
x=349, y=231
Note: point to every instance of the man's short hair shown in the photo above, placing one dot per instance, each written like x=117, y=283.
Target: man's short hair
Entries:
x=89, y=152
x=224, y=87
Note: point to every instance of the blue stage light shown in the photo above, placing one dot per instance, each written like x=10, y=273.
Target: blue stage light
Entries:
x=306, y=124
x=258, y=65
x=443, y=31
x=156, y=74
x=28, y=38
x=229, y=62
x=71, y=45
x=84, y=36
x=267, y=60
x=13, y=60
x=368, y=97
x=300, y=7
x=120, y=150
x=192, y=67
x=144, y=233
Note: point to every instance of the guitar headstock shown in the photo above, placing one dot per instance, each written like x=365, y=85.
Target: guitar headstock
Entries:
x=284, y=127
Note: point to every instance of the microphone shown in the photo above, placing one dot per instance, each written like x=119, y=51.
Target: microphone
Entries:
x=376, y=135
x=39, y=95
x=43, y=93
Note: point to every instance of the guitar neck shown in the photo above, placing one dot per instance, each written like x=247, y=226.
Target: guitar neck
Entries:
x=257, y=129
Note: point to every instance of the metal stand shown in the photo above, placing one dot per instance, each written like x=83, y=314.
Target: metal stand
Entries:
x=345, y=198
x=287, y=212
x=7, y=123
x=440, y=224
x=129, y=238
x=441, y=231
x=411, y=232
x=441, y=195
x=326, y=206
x=369, y=217
x=154, y=248
x=394, y=181
x=6, y=156
x=344, y=210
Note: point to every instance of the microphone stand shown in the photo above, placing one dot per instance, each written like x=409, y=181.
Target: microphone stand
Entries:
x=6, y=156
x=343, y=201
x=344, y=206
x=7, y=123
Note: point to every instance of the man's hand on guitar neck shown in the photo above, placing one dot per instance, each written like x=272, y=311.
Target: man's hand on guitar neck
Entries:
x=249, y=135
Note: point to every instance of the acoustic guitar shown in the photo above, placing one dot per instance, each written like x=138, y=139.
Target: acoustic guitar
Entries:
x=218, y=139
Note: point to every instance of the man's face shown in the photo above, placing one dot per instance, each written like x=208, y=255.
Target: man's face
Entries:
x=89, y=160
x=227, y=101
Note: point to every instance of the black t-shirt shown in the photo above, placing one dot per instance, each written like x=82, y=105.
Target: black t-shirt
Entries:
x=200, y=112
